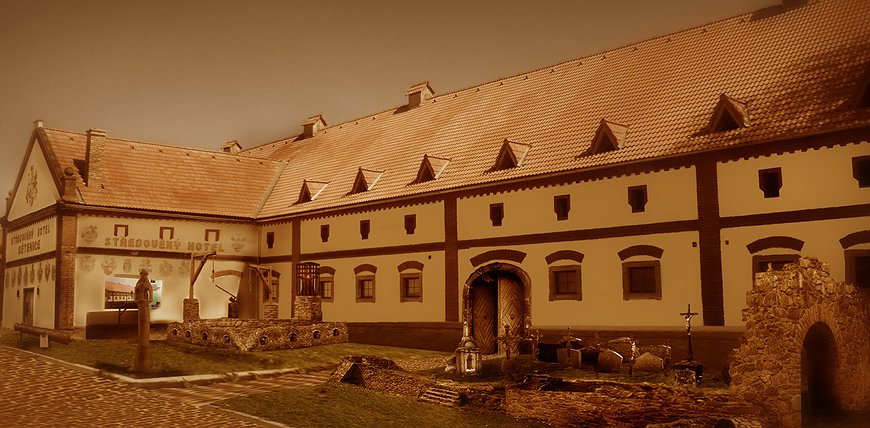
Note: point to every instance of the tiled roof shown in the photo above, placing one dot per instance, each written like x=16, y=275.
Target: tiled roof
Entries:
x=609, y=136
x=795, y=68
x=734, y=108
x=165, y=178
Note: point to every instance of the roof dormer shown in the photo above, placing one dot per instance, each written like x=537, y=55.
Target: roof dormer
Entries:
x=730, y=113
x=609, y=136
x=512, y=154
x=312, y=126
x=419, y=93
x=311, y=189
x=365, y=180
x=430, y=168
x=231, y=147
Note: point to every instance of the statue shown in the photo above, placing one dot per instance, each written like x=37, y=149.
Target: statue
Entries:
x=143, y=294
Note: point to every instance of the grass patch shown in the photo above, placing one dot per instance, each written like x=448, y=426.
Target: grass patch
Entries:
x=178, y=359
x=350, y=406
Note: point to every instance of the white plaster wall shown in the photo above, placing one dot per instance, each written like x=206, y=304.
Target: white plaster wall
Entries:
x=594, y=204
x=601, y=272
x=821, y=240
x=46, y=190
x=42, y=233
x=811, y=179
x=43, y=303
x=283, y=245
x=387, y=306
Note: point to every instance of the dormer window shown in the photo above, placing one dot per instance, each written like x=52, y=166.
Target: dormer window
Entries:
x=730, y=113
x=365, y=180
x=512, y=154
x=430, y=169
x=609, y=136
x=311, y=189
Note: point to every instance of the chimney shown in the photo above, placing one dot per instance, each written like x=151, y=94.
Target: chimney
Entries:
x=94, y=162
x=232, y=147
x=312, y=126
x=69, y=185
x=419, y=93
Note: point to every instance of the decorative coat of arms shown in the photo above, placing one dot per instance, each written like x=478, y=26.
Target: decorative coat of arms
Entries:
x=89, y=235
x=18, y=281
x=30, y=197
x=53, y=269
x=108, y=265
x=128, y=265
x=165, y=268
x=184, y=269
x=39, y=273
x=32, y=274
x=238, y=242
x=146, y=266
x=88, y=263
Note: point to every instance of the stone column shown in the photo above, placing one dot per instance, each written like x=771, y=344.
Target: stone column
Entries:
x=191, y=310
x=308, y=308
x=270, y=311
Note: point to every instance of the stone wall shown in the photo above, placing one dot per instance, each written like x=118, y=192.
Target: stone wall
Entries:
x=380, y=374
x=257, y=335
x=781, y=309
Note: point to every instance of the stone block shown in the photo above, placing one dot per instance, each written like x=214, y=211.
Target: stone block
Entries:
x=270, y=311
x=649, y=363
x=661, y=351
x=190, y=311
x=625, y=346
x=609, y=361
x=568, y=357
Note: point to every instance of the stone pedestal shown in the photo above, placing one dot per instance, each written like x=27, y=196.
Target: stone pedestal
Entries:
x=191, y=310
x=308, y=308
x=270, y=311
x=233, y=310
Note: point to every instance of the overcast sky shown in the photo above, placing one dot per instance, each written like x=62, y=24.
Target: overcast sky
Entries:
x=201, y=73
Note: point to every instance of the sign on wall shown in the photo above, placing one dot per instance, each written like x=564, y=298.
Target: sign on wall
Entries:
x=31, y=240
x=119, y=292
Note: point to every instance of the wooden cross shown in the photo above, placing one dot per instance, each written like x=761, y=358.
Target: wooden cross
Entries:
x=508, y=340
x=688, y=316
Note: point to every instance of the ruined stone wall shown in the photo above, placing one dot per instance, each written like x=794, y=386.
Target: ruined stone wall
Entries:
x=781, y=308
x=257, y=335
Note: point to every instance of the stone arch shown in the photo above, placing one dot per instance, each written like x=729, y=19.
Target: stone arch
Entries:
x=365, y=268
x=775, y=242
x=641, y=250
x=411, y=264
x=784, y=311
x=856, y=238
x=494, y=268
x=512, y=255
x=564, y=255
x=819, y=367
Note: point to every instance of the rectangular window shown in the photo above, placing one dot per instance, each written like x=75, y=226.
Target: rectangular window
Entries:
x=861, y=170
x=637, y=198
x=773, y=262
x=410, y=224
x=364, y=229
x=412, y=287
x=562, y=206
x=270, y=239
x=365, y=289
x=326, y=289
x=167, y=233
x=858, y=268
x=641, y=280
x=324, y=232
x=770, y=181
x=122, y=230
x=496, y=214
x=565, y=283
x=212, y=235
x=266, y=293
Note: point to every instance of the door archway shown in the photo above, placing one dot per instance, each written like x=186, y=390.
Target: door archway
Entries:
x=495, y=295
x=818, y=372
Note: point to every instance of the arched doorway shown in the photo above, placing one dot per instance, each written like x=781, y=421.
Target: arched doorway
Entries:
x=818, y=373
x=496, y=295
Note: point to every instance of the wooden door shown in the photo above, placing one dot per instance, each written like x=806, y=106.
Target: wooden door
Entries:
x=248, y=296
x=510, y=308
x=484, y=318
x=27, y=310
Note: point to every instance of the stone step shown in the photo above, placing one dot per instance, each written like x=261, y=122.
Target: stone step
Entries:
x=441, y=396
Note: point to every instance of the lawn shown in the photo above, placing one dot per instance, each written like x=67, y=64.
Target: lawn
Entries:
x=351, y=406
x=179, y=359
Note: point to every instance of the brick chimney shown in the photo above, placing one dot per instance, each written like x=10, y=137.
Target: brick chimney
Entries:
x=419, y=93
x=312, y=126
x=94, y=154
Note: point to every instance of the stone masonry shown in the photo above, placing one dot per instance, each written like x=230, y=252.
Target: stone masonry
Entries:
x=257, y=335
x=781, y=309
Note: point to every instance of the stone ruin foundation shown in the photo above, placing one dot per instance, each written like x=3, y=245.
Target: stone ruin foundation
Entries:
x=807, y=344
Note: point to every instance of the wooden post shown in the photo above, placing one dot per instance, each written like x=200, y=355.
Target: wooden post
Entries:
x=143, y=294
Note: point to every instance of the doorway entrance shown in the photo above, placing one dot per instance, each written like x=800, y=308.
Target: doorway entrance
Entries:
x=27, y=310
x=495, y=296
x=818, y=373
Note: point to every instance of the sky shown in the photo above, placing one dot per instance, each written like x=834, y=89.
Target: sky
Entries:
x=200, y=73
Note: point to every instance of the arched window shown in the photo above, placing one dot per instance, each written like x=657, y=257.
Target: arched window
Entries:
x=641, y=272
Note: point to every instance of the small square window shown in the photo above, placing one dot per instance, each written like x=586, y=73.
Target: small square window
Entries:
x=365, y=289
x=770, y=181
x=496, y=214
x=326, y=289
x=565, y=283
x=270, y=239
x=212, y=235
x=122, y=230
x=364, y=229
x=324, y=232
x=412, y=287
x=861, y=170
x=562, y=206
x=641, y=280
x=167, y=233
x=410, y=223
x=637, y=198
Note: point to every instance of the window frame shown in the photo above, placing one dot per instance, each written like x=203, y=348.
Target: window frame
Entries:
x=410, y=224
x=324, y=279
x=270, y=240
x=365, y=229
x=628, y=294
x=403, y=292
x=767, y=258
x=275, y=284
x=359, y=282
x=560, y=203
x=554, y=291
x=324, y=233
x=851, y=271
x=497, y=208
x=857, y=163
x=638, y=194
x=762, y=173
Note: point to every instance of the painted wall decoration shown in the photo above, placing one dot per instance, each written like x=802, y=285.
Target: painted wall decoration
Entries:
x=146, y=266
x=108, y=265
x=119, y=292
x=39, y=273
x=18, y=280
x=32, y=190
x=53, y=270
x=128, y=264
x=165, y=268
x=238, y=242
x=184, y=269
x=31, y=240
x=88, y=263
x=89, y=235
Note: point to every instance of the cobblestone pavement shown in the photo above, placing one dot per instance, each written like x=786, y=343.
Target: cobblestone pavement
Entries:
x=39, y=393
x=206, y=394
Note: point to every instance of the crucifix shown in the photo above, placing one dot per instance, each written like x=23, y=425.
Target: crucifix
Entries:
x=509, y=340
x=688, y=316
